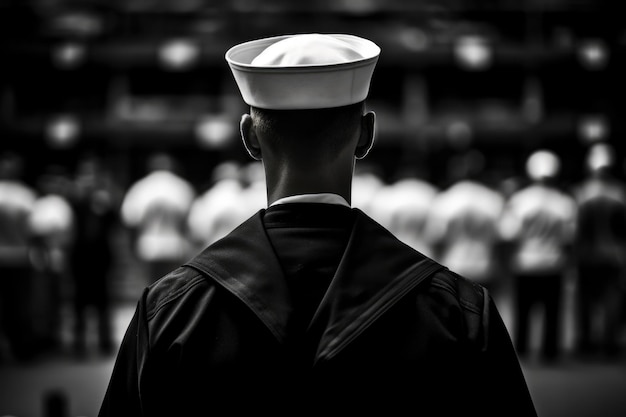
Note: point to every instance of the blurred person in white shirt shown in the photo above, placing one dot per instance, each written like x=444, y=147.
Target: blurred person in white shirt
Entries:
x=464, y=222
x=17, y=199
x=404, y=208
x=155, y=208
x=539, y=221
x=217, y=211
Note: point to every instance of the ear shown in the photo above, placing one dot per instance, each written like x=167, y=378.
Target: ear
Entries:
x=366, y=139
x=249, y=137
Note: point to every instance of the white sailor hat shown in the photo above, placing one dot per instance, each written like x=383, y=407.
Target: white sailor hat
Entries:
x=543, y=164
x=304, y=71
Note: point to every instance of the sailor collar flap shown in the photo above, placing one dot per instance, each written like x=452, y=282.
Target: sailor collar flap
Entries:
x=375, y=272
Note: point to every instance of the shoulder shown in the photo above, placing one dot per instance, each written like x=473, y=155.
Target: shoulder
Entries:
x=473, y=301
x=470, y=295
x=181, y=283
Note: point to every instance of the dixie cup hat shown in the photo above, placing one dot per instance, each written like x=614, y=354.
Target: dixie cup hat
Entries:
x=543, y=164
x=303, y=71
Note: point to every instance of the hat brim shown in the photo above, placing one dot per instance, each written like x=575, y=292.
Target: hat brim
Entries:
x=302, y=86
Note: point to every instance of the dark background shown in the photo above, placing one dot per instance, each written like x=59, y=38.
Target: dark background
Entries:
x=78, y=77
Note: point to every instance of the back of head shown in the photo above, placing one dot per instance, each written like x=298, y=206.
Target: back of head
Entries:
x=543, y=165
x=310, y=135
x=11, y=166
x=306, y=94
x=600, y=158
x=226, y=170
x=160, y=161
x=306, y=91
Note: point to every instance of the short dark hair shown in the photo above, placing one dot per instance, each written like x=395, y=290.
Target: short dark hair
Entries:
x=317, y=133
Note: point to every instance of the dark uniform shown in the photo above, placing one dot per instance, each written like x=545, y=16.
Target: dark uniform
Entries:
x=315, y=308
x=601, y=271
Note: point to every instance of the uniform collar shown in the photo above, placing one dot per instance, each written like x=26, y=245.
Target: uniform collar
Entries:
x=369, y=280
x=324, y=198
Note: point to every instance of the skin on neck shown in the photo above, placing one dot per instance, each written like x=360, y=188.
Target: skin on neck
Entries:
x=286, y=179
x=286, y=176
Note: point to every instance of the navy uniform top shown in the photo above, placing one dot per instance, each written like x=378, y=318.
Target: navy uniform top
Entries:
x=315, y=308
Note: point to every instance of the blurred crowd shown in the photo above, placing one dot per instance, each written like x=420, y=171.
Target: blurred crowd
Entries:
x=529, y=239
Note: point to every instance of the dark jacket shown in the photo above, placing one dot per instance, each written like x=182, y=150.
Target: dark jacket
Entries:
x=395, y=332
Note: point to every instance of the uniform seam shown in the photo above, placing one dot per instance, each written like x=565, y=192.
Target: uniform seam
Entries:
x=171, y=296
x=466, y=304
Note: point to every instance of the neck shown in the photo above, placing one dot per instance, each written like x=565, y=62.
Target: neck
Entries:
x=287, y=182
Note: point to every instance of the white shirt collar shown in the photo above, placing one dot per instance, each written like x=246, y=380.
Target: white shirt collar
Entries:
x=324, y=198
